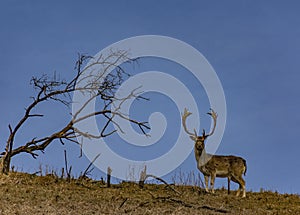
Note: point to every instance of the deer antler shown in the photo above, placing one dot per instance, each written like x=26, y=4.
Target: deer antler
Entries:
x=184, y=116
x=214, y=115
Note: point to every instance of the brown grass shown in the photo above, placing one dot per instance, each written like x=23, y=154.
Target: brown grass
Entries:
x=30, y=194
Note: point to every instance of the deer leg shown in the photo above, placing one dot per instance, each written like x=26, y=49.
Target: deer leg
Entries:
x=212, y=182
x=206, y=177
x=243, y=187
x=238, y=191
x=228, y=181
x=244, y=192
x=241, y=183
x=236, y=180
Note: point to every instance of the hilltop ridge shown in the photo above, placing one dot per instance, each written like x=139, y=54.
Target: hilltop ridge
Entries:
x=23, y=193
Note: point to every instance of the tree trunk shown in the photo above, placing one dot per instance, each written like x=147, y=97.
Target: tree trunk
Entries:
x=5, y=163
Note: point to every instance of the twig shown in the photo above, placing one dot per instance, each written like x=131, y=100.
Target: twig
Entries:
x=68, y=171
x=87, y=170
x=121, y=205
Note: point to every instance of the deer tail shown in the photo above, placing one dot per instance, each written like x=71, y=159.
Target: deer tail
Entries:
x=245, y=164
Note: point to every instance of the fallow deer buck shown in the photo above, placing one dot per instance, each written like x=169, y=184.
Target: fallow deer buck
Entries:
x=213, y=166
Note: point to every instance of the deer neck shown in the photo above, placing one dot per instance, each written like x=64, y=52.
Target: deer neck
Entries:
x=201, y=156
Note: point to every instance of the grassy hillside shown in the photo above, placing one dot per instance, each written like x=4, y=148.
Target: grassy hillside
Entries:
x=30, y=194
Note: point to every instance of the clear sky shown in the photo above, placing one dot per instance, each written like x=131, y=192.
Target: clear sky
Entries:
x=254, y=47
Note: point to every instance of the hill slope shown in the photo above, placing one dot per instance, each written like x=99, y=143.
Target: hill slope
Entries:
x=29, y=194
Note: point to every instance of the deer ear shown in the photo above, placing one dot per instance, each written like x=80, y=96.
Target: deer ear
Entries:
x=193, y=137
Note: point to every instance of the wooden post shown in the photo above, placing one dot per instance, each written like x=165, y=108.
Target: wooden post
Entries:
x=143, y=177
x=108, y=176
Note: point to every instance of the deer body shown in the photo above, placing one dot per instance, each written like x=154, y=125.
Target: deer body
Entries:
x=230, y=167
x=212, y=166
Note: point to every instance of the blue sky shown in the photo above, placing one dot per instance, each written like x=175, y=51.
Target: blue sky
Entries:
x=254, y=47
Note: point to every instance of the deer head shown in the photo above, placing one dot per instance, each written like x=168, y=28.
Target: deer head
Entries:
x=199, y=140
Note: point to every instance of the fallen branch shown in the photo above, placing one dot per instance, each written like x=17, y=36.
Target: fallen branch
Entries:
x=144, y=176
x=169, y=199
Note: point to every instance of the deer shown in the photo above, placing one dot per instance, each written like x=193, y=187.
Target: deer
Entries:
x=212, y=166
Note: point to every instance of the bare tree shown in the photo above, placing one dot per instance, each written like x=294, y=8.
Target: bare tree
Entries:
x=100, y=86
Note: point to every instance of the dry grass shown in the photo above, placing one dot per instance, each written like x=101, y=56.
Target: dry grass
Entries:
x=30, y=194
